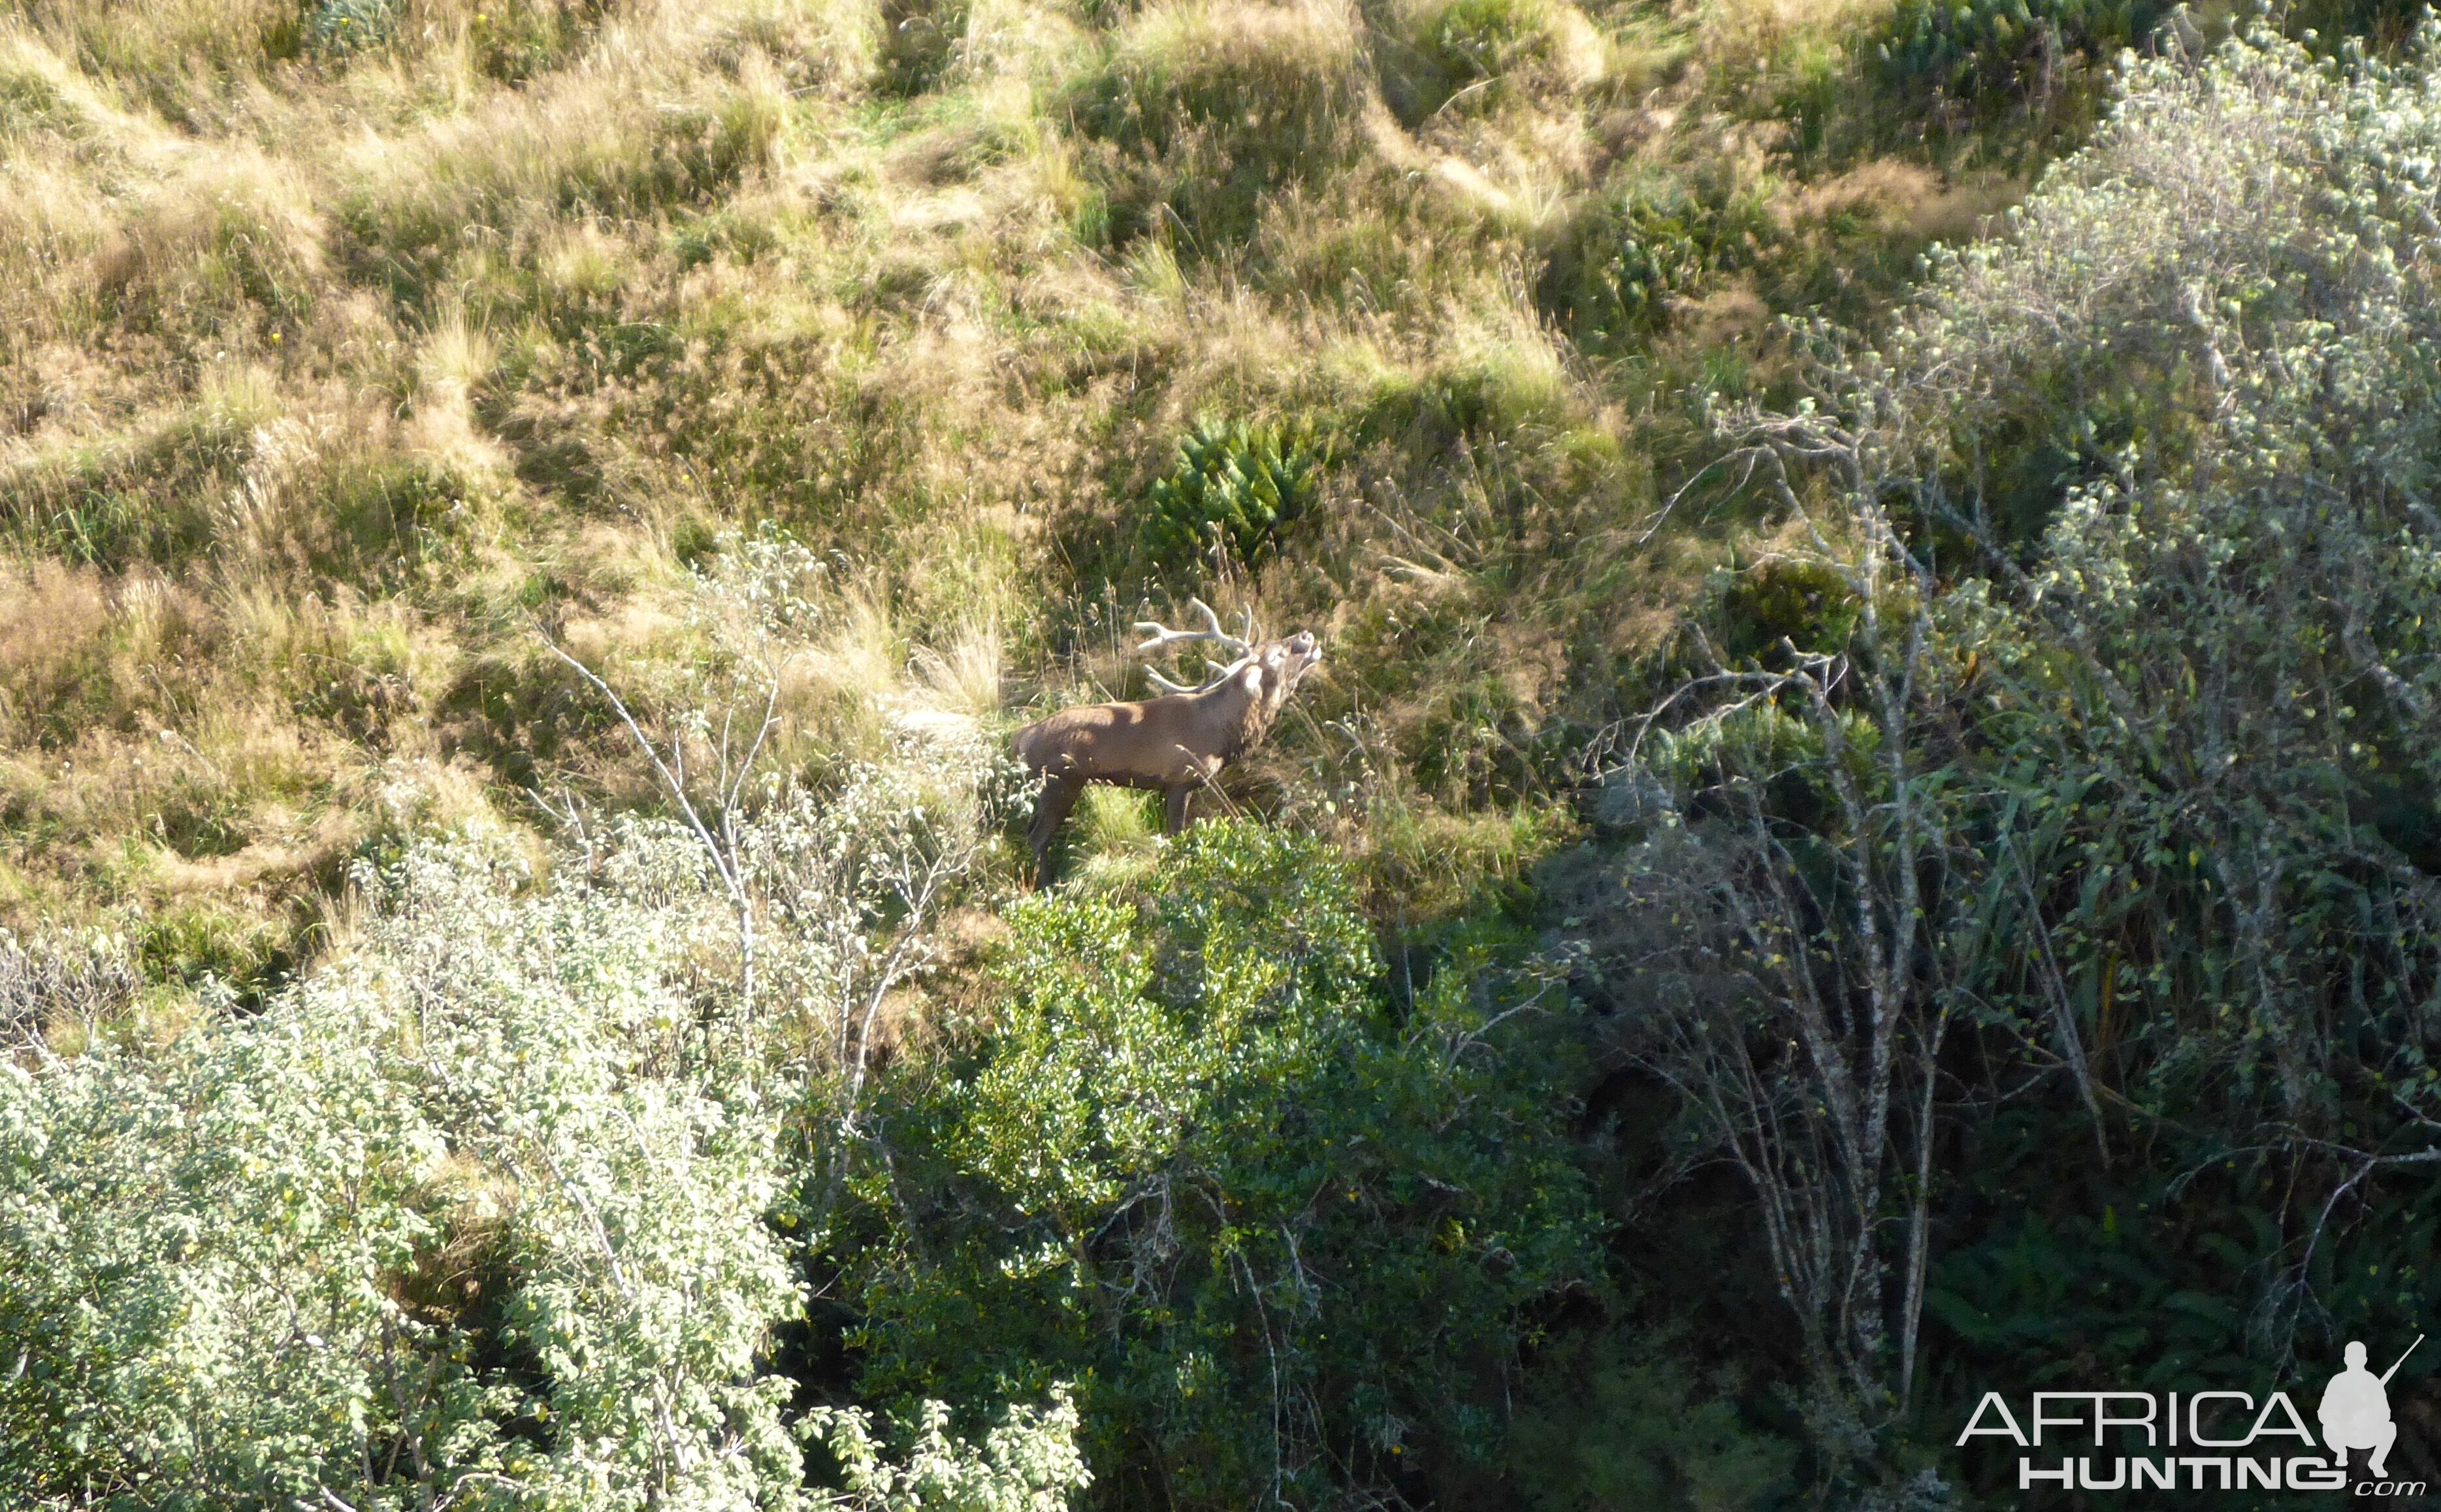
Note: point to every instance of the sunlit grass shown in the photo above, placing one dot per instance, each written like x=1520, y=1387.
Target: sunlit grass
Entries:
x=360, y=348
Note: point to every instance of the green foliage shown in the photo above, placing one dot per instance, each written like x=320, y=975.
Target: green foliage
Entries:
x=1992, y=54
x=344, y=27
x=1282, y=1237
x=2226, y=654
x=1485, y=37
x=2085, y=738
x=270, y=1223
x=1027, y=1462
x=1617, y=1420
x=2131, y=809
x=479, y=1215
x=1628, y=255
x=1235, y=489
x=197, y=943
x=1777, y=600
x=2154, y=1274
x=195, y=1254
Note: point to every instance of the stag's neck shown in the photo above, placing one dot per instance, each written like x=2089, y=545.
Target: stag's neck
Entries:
x=1242, y=713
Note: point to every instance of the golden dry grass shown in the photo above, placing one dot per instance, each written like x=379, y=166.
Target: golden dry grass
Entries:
x=346, y=364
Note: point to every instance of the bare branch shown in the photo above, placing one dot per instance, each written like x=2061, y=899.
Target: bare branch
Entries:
x=722, y=851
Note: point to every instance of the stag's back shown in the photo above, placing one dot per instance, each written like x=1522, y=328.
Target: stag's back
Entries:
x=1154, y=741
x=1179, y=738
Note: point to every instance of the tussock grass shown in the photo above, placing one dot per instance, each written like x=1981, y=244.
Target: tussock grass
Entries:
x=1205, y=109
x=355, y=347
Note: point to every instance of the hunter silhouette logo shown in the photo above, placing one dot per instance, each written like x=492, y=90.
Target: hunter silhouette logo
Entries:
x=2355, y=1409
x=2205, y=1440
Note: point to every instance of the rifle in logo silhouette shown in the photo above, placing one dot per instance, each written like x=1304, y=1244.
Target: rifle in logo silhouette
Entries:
x=2400, y=1361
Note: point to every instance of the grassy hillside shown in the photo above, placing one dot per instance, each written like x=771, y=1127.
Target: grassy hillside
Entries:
x=1867, y=833
x=354, y=347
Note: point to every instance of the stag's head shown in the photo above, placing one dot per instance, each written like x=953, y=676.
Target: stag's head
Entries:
x=1281, y=665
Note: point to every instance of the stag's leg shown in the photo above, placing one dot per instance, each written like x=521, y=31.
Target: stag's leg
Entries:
x=1173, y=808
x=1058, y=796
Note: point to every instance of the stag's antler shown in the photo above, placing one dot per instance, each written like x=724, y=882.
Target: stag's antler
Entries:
x=1238, y=646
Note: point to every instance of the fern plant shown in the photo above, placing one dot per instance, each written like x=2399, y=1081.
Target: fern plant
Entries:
x=1235, y=489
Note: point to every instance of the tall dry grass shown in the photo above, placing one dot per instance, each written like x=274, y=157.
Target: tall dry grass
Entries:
x=347, y=360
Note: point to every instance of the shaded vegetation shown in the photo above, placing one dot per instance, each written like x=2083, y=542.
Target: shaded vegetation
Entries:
x=1867, y=833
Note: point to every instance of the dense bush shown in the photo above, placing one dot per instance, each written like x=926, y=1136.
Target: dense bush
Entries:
x=479, y=1213
x=1286, y=1238
x=2131, y=798
x=464, y=1213
x=1993, y=54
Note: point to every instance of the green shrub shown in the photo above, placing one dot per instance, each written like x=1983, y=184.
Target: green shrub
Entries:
x=477, y=1215
x=1780, y=600
x=1993, y=54
x=196, y=943
x=2148, y=1280
x=265, y=1261
x=1284, y=1239
x=2133, y=815
x=1626, y=257
x=1236, y=489
x=195, y=1254
x=344, y=27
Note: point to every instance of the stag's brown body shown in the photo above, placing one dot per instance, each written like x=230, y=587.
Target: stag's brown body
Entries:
x=1175, y=743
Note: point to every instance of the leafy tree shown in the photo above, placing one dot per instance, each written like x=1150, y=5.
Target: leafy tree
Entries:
x=475, y=1215
x=2114, y=812
x=1283, y=1236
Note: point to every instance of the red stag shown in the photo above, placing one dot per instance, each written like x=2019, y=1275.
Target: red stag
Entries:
x=1176, y=742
